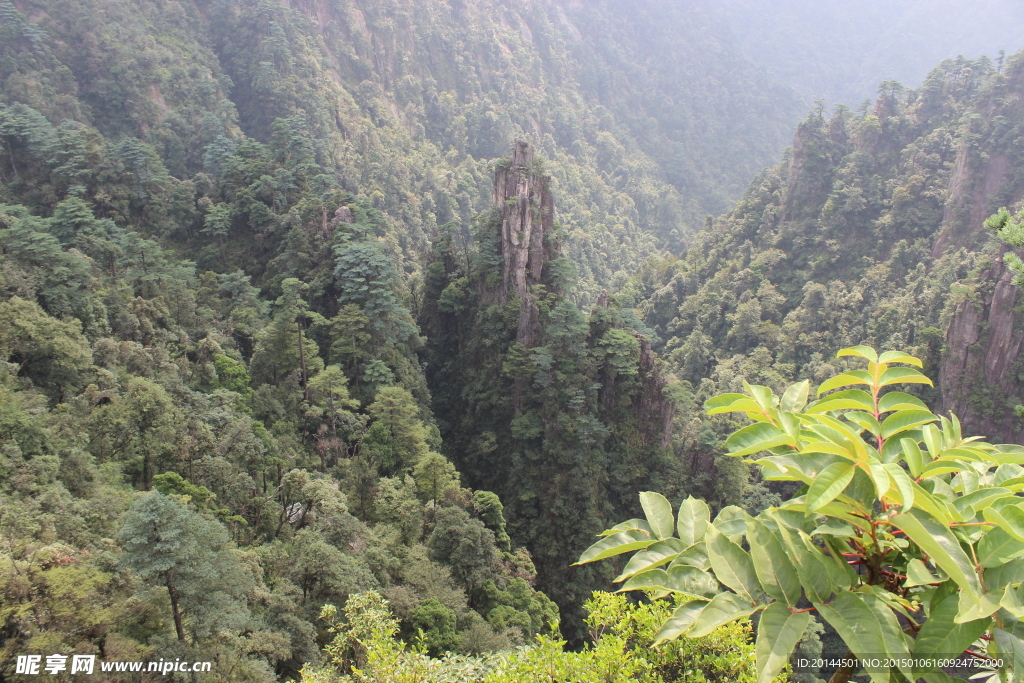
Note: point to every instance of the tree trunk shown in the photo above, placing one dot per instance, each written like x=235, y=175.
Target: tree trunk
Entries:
x=178, y=627
x=302, y=364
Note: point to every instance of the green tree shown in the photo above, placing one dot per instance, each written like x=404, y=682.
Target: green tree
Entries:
x=165, y=544
x=1009, y=229
x=906, y=537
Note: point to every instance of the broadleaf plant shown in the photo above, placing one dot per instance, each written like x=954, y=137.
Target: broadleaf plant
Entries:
x=906, y=537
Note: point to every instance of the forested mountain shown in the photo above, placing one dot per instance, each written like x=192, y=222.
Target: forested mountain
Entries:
x=870, y=230
x=284, y=327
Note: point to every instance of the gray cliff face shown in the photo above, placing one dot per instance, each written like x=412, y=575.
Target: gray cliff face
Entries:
x=984, y=337
x=527, y=215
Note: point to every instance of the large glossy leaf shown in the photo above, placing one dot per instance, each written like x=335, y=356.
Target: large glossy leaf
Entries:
x=914, y=457
x=868, y=627
x=629, y=525
x=814, y=579
x=616, y=544
x=936, y=507
x=903, y=420
x=899, y=357
x=941, y=637
x=795, y=397
x=865, y=352
x=981, y=499
x=897, y=400
x=731, y=403
x=829, y=484
x=902, y=485
x=722, y=609
x=694, y=556
x=757, y=437
x=680, y=621
x=942, y=546
x=903, y=376
x=654, y=556
x=683, y=579
x=694, y=518
x=777, y=575
x=998, y=547
x=658, y=511
x=778, y=632
x=972, y=608
x=850, y=399
x=844, y=380
x=732, y=521
x=918, y=574
x=1011, y=650
x=1009, y=518
x=732, y=566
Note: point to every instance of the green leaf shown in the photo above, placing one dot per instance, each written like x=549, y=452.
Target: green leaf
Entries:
x=941, y=637
x=731, y=403
x=655, y=555
x=763, y=395
x=903, y=376
x=981, y=499
x=937, y=467
x=629, y=525
x=694, y=556
x=658, y=511
x=757, y=437
x=942, y=547
x=731, y=565
x=903, y=420
x=935, y=507
x=851, y=399
x=914, y=457
x=933, y=440
x=694, y=518
x=814, y=577
x=899, y=357
x=732, y=521
x=998, y=547
x=865, y=421
x=972, y=608
x=795, y=397
x=1011, y=649
x=1011, y=601
x=868, y=627
x=918, y=574
x=829, y=484
x=844, y=380
x=865, y=352
x=903, y=483
x=681, y=579
x=778, y=632
x=680, y=621
x=897, y=400
x=775, y=572
x=1010, y=519
x=722, y=609
x=616, y=544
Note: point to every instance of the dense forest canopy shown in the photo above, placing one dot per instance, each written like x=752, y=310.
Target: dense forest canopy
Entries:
x=333, y=330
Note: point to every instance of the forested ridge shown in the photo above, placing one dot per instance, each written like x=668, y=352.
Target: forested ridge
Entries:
x=307, y=375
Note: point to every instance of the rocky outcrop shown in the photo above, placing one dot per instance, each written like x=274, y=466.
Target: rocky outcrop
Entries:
x=982, y=344
x=523, y=197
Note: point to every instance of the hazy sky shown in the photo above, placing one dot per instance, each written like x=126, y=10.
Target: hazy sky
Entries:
x=841, y=49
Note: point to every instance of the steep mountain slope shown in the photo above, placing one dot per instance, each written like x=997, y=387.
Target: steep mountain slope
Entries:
x=869, y=232
x=563, y=414
x=409, y=103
